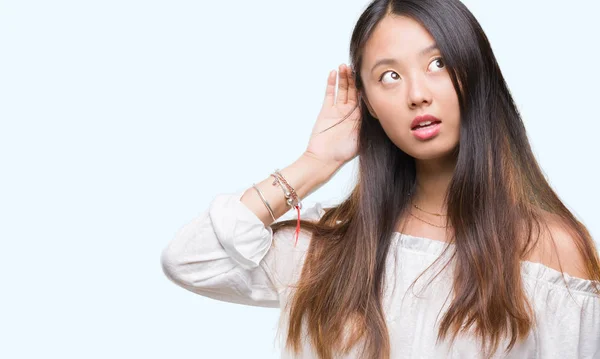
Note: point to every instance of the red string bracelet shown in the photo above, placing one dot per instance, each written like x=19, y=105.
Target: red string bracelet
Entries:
x=297, y=226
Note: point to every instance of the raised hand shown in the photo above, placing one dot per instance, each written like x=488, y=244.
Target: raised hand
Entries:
x=334, y=138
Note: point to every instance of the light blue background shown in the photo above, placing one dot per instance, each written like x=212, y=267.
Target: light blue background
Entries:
x=121, y=120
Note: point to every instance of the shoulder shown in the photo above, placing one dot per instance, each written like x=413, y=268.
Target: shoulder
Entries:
x=558, y=249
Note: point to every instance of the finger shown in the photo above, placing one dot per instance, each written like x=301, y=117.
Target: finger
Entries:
x=342, y=96
x=352, y=92
x=330, y=91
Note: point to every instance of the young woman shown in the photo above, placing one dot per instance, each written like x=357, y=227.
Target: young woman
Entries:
x=451, y=245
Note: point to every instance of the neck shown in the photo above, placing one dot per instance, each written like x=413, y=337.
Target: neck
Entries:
x=433, y=178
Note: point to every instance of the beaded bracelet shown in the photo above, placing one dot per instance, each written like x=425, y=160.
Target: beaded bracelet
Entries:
x=288, y=191
x=291, y=197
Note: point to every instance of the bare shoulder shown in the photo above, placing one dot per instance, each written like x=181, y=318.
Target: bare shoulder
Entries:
x=557, y=247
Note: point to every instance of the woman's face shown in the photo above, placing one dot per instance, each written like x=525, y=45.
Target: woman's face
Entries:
x=411, y=81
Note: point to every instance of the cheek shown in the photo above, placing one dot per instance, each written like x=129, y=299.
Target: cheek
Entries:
x=388, y=109
x=448, y=103
x=388, y=106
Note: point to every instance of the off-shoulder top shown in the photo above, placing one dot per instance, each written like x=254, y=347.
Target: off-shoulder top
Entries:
x=227, y=253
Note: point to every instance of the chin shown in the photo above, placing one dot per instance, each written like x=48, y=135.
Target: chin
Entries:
x=431, y=150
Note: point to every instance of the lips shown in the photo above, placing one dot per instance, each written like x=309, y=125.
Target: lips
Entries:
x=424, y=118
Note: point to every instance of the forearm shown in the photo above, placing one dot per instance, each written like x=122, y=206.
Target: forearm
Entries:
x=305, y=175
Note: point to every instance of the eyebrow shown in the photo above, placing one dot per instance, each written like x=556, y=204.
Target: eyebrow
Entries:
x=389, y=61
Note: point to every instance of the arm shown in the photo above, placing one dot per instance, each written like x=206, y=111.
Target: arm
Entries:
x=224, y=253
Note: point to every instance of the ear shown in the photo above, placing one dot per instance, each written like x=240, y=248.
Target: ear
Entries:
x=371, y=111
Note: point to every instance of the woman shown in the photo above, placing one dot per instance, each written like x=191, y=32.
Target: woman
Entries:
x=452, y=244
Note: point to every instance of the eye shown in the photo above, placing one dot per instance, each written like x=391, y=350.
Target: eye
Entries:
x=439, y=62
x=395, y=76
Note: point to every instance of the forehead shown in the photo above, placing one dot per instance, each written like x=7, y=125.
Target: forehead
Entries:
x=398, y=37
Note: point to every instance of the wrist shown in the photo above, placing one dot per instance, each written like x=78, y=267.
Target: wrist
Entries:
x=317, y=168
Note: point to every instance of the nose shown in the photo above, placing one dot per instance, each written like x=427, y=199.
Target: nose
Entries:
x=419, y=93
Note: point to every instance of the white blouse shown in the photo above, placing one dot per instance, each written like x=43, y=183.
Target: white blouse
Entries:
x=227, y=253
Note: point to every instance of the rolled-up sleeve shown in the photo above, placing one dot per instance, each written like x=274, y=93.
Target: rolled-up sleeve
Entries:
x=220, y=253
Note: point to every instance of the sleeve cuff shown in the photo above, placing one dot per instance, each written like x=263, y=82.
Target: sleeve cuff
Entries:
x=242, y=234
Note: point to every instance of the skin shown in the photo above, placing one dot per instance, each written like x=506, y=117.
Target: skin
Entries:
x=417, y=84
x=414, y=84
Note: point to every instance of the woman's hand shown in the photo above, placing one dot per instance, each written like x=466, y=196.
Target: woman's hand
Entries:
x=334, y=138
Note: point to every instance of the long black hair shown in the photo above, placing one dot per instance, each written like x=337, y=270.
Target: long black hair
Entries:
x=499, y=204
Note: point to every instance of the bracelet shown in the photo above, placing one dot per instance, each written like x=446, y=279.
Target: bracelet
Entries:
x=288, y=191
x=291, y=198
x=264, y=201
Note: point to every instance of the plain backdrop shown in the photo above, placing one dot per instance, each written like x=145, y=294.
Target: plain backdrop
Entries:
x=121, y=120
